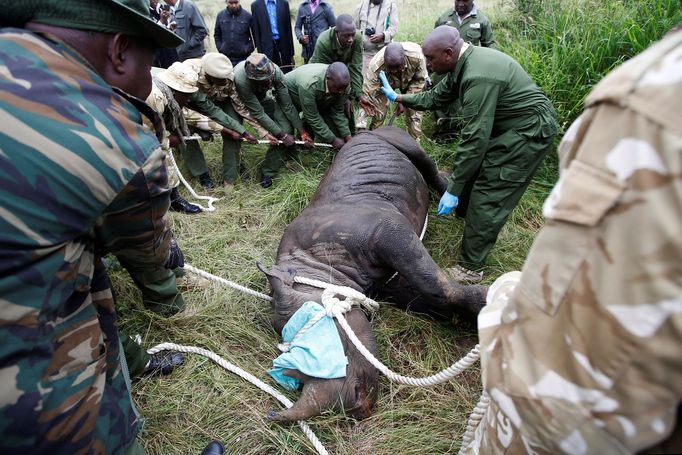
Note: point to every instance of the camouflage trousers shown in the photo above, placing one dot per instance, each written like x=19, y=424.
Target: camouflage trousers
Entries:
x=413, y=118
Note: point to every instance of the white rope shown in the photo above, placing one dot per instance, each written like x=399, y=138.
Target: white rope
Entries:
x=474, y=421
x=334, y=307
x=316, y=144
x=357, y=297
x=245, y=375
x=229, y=283
x=209, y=199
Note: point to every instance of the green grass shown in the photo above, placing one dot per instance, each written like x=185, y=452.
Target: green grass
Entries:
x=566, y=52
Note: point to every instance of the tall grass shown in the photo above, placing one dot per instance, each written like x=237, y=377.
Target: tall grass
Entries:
x=566, y=46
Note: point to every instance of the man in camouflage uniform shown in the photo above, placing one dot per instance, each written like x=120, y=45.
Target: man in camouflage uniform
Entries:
x=405, y=68
x=214, y=105
x=260, y=86
x=585, y=355
x=319, y=92
x=509, y=125
x=82, y=176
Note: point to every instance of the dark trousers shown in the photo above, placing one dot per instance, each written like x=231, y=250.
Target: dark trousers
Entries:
x=283, y=61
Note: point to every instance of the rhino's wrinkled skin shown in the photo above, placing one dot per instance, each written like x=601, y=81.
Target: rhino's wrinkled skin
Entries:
x=361, y=226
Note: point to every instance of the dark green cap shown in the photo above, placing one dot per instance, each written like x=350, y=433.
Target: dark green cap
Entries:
x=130, y=17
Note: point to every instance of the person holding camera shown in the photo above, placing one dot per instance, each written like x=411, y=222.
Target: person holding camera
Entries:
x=378, y=23
x=313, y=17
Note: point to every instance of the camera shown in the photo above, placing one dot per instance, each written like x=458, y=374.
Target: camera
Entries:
x=369, y=31
x=165, y=7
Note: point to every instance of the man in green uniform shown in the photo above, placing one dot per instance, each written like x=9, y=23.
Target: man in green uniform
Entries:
x=474, y=28
x=580, y=353
x=472, y=24
x=343, y=43
x=319, y=91
x=254, y=78
x=508, y=127
x=217, y=100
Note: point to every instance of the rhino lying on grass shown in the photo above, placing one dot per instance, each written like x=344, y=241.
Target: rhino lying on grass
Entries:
x=361, y=226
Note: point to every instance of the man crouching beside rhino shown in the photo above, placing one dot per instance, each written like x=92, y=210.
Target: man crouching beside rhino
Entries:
x=360, y=228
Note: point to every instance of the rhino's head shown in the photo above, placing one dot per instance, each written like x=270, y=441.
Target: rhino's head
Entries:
x=354, y=394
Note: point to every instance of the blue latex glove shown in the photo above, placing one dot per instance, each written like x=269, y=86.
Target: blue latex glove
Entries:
x=447, y=203
x=386, y=87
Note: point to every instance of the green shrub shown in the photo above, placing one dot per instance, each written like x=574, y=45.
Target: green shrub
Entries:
x=567, y=46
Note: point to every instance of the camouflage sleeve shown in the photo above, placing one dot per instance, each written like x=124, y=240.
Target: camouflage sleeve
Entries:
x=416, y=84
x=133, y=225
x=585, y=356
x=245, y=114
x=371, y=84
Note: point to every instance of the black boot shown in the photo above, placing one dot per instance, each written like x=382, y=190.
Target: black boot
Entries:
x=206, y=182
x=180, y=204
x=163, y=363
x=214, y=448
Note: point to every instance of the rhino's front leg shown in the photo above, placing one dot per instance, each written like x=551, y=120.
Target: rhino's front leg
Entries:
x=400, y=248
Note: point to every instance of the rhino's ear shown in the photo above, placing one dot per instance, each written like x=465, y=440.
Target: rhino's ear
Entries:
x=278, y=277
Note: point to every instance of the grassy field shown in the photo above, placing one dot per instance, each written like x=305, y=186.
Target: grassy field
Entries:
x=201, y=401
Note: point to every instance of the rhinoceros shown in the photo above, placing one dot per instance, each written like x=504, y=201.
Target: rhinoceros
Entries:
x=361, y=226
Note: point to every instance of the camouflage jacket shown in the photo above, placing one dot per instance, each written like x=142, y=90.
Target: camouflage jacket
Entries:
x=585, y=357
x=81, y=176
x=218, y=95
x=413, y=75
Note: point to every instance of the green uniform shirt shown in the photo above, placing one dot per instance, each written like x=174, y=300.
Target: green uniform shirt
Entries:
x=251, y=94
x=201, y=103
x=328, y=50
x=307, y=86
x=475, y=29
x=497, y=95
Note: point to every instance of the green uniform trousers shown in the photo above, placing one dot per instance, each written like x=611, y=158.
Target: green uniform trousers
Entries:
x=193, y=157
x=274, y=157
x=136, y=356
x=487, y=200
x=231, y=149
x=195, y=160
x=159, y=294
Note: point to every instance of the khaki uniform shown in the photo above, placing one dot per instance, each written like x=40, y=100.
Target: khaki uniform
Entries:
x=586, y=357
x=157, y=101
x=383, y=18
x=412, y=81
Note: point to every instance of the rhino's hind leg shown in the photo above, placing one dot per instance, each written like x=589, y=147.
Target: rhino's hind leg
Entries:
x=399, y=292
